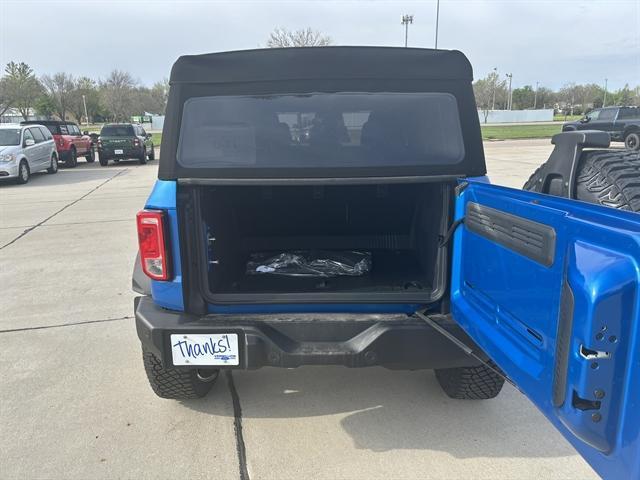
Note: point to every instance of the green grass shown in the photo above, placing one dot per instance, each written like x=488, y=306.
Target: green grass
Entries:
x=570, y=118
x=512, y=132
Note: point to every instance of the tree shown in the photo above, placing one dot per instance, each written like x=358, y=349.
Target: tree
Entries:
x=306, y=37
x=60, y=88
x=44, y=105
x=160, y=94
x=85, y=91
x=524, y=97
x=567, y=97
x=624, y=97
x=22, y=87
x=486, y=90
x=5, y=95
x=117, y=92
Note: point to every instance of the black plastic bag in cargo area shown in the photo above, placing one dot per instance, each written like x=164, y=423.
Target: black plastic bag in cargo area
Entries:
x=310, y=263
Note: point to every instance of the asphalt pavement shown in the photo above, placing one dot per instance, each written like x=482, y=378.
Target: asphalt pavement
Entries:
x=75, y=401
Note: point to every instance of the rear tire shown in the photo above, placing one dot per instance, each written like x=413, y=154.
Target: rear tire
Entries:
x=54, y=164
x=143, y=158
x=90, y=157
x=103, y=161
x=606, y=177
x=24, y=173
x=152, y=155
x=176, y=383
x=470, y=383
x=72, y=159
x=632, y=141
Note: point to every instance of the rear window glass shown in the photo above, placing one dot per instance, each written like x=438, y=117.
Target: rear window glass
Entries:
x=321, y=130
x=117, y=131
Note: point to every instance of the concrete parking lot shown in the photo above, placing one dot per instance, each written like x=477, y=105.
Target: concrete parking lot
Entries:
x=75, y=401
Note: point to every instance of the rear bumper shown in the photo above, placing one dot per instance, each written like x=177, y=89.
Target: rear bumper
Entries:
x=393, y=341
x=127, y=152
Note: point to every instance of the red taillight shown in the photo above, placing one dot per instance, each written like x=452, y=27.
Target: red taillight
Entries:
x=61, y=142
x=99, y=143
x=136, y=142
x=154, y=253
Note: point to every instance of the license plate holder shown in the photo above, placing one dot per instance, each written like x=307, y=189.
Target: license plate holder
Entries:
x=205, y=349
x=118, y=151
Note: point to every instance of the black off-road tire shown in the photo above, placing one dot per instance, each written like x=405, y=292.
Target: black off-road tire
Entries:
x=90, y=157
x=72, y=159
x=470, y=383
x=103, y=161
x=177, y=384
x=54, y=164
x=607, y=177
x=632, y=141
x=152, y=155
x=143, y=158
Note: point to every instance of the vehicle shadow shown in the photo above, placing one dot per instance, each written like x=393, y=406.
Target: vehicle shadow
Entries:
x=389, y=410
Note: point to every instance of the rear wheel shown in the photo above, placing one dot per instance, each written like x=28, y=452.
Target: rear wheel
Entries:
x=152, y=154
x=470, y=383
x=177, y=383
x=607, y=177
x=90, y=157
x=104, y=161
x=72, y=159
x=23, y=173
x=54, y=164
x=143, y=158
x=632, y=140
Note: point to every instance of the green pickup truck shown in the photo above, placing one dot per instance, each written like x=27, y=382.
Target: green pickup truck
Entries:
x=119, y=141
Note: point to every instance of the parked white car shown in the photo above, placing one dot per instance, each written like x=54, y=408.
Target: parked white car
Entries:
x=26, y=149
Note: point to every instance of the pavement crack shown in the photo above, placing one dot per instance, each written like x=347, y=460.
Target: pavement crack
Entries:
x=60, y=325
x=237, y=426
x=70, y=204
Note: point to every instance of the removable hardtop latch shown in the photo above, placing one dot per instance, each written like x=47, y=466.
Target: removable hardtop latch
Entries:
x=557, y=176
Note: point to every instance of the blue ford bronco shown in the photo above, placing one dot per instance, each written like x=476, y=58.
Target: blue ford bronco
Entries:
x=330, y=206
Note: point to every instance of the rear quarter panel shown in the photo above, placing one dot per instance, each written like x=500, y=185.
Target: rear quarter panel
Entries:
x=168, y=294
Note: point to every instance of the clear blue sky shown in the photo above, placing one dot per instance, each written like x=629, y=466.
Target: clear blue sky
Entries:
x=550, y=41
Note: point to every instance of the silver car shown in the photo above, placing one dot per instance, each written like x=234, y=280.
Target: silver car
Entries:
x=26, y=149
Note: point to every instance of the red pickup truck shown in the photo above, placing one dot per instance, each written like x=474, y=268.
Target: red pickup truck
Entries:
x=71, y=143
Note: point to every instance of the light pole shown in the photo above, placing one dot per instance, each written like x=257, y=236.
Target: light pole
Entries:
x=437, y=21
x=604, y=100
x=406, y=20
x=535, y=97
x=510, y=77
x=495, y=79
x=84, y=102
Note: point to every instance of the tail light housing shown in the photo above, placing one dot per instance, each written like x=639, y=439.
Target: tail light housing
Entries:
x=136, y=142
x=99, y=143
x=152, y=240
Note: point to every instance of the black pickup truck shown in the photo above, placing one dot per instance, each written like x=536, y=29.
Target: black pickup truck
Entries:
x=621, y=123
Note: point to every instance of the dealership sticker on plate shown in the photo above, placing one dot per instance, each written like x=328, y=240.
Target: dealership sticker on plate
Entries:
x=205, y=349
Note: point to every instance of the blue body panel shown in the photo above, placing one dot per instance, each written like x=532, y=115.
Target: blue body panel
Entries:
x=168, y=294
x=511, y=306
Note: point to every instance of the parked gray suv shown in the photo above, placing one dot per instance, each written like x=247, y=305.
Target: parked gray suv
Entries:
x=25, y=150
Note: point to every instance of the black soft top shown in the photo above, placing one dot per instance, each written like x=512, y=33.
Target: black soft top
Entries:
x=310, y=63
x=290, y=71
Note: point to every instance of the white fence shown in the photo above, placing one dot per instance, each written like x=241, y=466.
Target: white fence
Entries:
x=516, y=116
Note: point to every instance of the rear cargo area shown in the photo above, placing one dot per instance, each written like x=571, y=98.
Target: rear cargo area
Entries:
x=397, y=227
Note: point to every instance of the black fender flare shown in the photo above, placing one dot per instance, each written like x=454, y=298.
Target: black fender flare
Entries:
x=140, y=283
